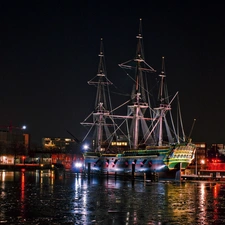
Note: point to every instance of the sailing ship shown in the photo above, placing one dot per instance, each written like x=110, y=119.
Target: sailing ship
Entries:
x=143, y=140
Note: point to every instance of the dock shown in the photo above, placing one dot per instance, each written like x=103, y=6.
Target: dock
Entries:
x=25, y=166
x=218, y=175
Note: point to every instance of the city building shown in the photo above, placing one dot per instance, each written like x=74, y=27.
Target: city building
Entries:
x=200, y=161
x=216, y=157
x=14, y=145
x=58, y=144
x=61, y=150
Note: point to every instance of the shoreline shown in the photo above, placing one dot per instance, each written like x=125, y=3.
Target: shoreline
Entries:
x=26, y=166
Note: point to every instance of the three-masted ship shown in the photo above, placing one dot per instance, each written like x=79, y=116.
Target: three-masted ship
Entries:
x=147, y=138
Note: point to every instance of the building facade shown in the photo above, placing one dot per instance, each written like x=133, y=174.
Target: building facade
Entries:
x=62, y=150
x=14, y=146
x=200, y=161
x=57, y=144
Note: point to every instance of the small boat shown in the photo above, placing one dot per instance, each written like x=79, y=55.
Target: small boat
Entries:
x=146, y=137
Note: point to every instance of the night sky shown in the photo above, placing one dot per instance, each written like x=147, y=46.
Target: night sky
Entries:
x=49, y=50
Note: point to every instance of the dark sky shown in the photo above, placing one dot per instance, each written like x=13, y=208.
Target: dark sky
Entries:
x=49, y=50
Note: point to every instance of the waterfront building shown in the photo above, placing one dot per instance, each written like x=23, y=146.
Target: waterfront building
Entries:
x=61, y=150
x=58, y=144
x=14, y=145
x=217, y=152
x=200, y=161
x=216, y=157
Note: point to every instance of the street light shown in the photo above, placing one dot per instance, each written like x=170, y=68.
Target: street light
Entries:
x=202, y=163
x=24, y=160
x=86, y=147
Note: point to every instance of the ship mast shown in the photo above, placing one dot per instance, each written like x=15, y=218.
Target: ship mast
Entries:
x=138, y=94
x=164, y=107
x=137, y=91
x=102, y=102
x=161, y=99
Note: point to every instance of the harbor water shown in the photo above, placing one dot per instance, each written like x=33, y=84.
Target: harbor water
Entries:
x=46, y=197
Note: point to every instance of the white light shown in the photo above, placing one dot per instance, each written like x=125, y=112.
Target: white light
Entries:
x=24, y=127
x=160, y=167
x=86, y=147
x=78, y=165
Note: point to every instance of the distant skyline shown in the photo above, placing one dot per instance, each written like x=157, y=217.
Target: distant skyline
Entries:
x=49, y=50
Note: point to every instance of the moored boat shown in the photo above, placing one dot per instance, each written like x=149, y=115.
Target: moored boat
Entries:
x=145, y=139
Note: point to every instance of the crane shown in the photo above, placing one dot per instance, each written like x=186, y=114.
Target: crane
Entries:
x=10, y=127
x=193, y=124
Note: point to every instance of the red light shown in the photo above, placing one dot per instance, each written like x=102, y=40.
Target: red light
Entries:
x=216, y=160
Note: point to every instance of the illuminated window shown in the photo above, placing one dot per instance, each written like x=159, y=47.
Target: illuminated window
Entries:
x=119, y=143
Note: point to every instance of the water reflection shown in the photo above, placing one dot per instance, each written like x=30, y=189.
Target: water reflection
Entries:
x=22, y=198
x=216, y=190
x=46, y=197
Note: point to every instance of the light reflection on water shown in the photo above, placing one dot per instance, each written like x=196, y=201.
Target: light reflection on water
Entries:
x=43, y=197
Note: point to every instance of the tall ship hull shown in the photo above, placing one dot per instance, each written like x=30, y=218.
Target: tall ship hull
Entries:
x=143, y=139
x=160, y=159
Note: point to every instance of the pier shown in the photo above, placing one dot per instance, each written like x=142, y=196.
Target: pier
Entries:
x=218, y=175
